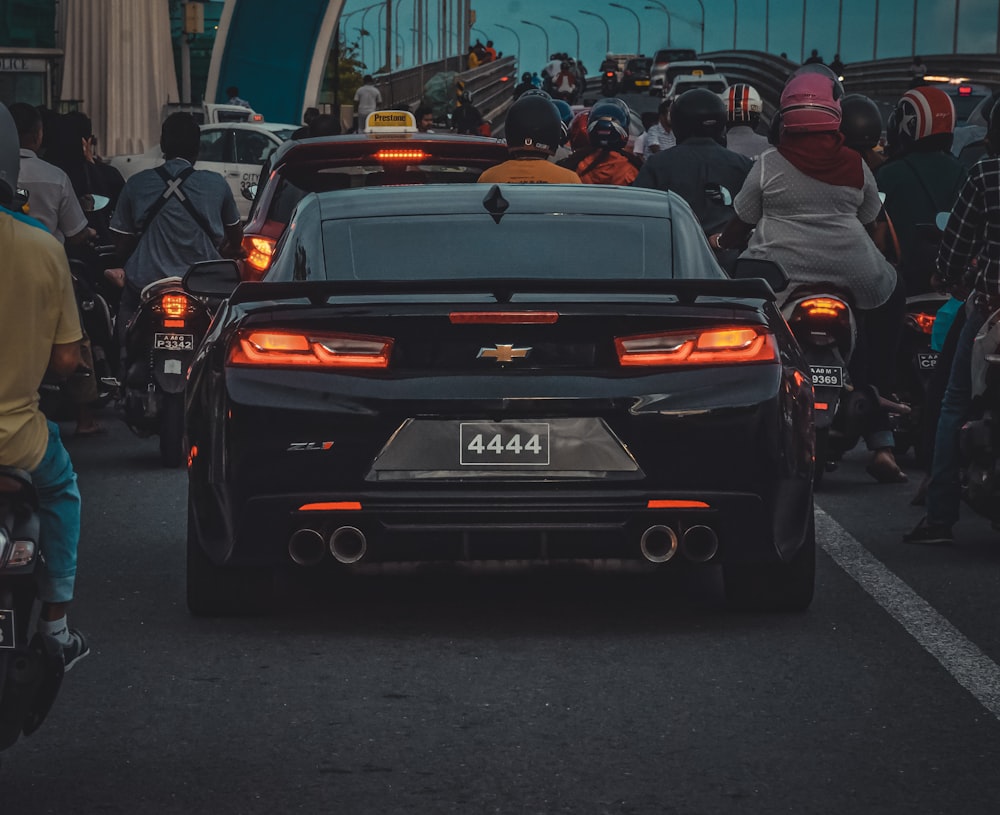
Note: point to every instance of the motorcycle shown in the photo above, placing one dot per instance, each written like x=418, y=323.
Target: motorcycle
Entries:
x=31, y=664
x=980, y=436
x=160, y=343
x=824, y=325
x=609, y=83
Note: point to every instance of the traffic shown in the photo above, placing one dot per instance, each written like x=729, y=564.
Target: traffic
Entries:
x=708, y=349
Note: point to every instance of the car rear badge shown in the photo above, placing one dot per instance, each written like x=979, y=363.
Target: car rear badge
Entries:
x=309, y=446
x=503, y=353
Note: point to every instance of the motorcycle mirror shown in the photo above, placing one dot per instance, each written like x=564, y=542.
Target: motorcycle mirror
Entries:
x=941, y=220
x=747, y=268
x=94, y=203
x=250, y=192
x=212, y=278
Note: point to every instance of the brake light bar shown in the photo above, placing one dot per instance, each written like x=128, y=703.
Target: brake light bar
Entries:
x=675, y=504
x=330, y=506
x=503, y=317
x=823, y=306
x=714, y=346
x=401, y=155
x=300, y=349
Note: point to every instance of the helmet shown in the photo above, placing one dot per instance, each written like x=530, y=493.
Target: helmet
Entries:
x=809, y=104
x=698, y=112
x=565, y=116
x=920, y=114
x=579, y=139
x=535, y=92
x=533, y=124
x=607, y=125
x=10, y=156
x=743, y=105
x=526, y=76
x=819, y=69
x=861, y=122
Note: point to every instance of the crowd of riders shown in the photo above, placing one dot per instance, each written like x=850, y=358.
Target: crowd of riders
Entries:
x=837, y=196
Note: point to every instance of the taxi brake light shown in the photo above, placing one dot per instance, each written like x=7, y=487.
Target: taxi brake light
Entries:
x=300, y=349
x=401, y=155
x=174, y=305
x=259, y=251
x=503, y=317
x=714, y=346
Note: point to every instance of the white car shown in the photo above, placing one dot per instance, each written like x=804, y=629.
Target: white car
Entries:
x=716, y=83
x=235, y=150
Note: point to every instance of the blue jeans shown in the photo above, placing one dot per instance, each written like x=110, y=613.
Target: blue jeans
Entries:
x=59, y=501
x=944, y=493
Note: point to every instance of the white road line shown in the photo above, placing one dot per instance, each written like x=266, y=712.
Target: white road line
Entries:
x=970, y=667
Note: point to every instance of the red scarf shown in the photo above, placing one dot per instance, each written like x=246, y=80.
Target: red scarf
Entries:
x=823, y=156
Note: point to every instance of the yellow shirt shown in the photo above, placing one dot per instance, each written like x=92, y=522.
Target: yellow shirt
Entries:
x=37, y=310
x=528, y=171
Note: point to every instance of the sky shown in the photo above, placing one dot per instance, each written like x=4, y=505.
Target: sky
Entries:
x=645, y=25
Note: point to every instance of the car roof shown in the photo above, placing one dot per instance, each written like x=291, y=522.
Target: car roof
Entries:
x=327, y=147
x=461, y=199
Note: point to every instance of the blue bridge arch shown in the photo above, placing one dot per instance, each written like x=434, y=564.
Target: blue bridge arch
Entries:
x=274, y=52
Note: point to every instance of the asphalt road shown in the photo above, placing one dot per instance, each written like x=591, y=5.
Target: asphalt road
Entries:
x=522, y=693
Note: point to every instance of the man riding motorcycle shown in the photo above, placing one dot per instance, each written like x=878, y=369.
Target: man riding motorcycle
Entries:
x=605, y=160
x=743, y=109
x=39, y=330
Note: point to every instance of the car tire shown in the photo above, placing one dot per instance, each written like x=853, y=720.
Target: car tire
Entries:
x=172, y=430
x=217, y=591
x=774, y=586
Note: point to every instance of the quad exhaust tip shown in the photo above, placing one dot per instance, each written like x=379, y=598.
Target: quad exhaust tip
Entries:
x=348, y=544
x=658, y=544
x=306, y=547
x=700, y=543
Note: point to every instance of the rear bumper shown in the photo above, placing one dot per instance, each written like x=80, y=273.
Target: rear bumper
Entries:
x=556, y=524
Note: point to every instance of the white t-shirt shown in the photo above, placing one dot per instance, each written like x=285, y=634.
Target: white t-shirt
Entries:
x=51, y=198
x=368, y=99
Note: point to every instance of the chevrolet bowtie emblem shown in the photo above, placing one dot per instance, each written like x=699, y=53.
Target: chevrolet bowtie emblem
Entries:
x=503, y=353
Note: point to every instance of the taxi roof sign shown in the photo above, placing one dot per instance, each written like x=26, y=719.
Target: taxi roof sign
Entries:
x=390, y=121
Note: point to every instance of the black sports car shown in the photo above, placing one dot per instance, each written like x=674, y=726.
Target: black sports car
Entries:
x=516, y=372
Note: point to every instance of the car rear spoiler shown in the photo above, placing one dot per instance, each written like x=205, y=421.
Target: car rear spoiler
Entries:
x=320, y=291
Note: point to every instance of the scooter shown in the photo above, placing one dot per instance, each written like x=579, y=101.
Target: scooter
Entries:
x=609, y=83
x=160, y=344
x=31, y=664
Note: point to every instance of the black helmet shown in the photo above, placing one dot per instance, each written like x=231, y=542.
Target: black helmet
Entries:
x=698, y=112
x=533, y=124
x=861, y=122
x=526, y=76
x=607, y=124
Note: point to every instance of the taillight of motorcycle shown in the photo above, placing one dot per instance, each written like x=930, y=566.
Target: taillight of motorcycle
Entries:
x=921, y=322
x=259, y=253
x=282, y=348
x=821, y=321
x=173, y=308
x=823, y=307
x=729, y=345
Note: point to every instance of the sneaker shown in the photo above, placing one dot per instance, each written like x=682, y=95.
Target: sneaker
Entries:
x=937, y=534
x=76, y=649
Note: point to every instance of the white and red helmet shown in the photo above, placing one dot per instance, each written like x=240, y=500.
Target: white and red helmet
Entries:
x=809, y=104
x=743, y=105
x=921, y=113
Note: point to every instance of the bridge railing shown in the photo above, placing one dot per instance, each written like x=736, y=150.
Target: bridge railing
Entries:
x=891, y=77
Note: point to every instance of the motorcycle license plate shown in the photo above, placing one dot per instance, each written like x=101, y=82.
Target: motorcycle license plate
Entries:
x=6, y=628
x=827, y=375
x=173, y=342
x=508, y=444
x=927, y=362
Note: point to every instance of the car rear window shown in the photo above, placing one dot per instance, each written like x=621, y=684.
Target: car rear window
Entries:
x=296, y=183
x=964, y=105
x=638, y=65
x=674, y=54
x=520, y=246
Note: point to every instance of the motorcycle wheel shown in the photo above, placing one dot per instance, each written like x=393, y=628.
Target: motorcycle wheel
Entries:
x=172, y=430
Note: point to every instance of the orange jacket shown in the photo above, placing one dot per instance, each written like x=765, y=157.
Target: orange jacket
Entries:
x=604, y=167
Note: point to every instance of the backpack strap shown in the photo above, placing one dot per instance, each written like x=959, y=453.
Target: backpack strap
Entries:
x=174, y=188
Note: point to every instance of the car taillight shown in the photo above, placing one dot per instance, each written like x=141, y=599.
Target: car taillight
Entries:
x=259, y=252
x=823, y=307
x=299, y=349
x=923, y=323
x=401, y=155
x=713, y=346
x=174, y=305
x=503, y=317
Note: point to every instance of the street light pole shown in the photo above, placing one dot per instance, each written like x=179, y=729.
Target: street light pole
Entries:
x=607, y=28
x=638, y=25
x=660, y=7
x=702, y=5
x=736, y=16
x=516, y=37
x=954, y=39
x=544, y=33
x=875, y=38
x=577, y=30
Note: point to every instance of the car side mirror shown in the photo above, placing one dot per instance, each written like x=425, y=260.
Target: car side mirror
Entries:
x=212, y=278
x=250, y=192
x=768, y=270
